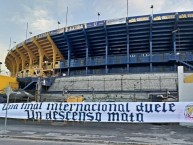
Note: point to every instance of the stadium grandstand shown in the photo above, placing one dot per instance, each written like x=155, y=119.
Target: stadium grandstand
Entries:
x=139, y=44
x=143, y=44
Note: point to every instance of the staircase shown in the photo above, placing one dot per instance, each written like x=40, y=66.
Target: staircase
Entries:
x=186, y=64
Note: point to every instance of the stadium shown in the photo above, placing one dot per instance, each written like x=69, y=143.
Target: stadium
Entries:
x=109, y=54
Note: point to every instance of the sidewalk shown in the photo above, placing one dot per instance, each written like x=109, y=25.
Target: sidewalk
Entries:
x=104, y=133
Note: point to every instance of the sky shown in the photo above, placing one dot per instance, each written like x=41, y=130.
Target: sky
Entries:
x=43, y=15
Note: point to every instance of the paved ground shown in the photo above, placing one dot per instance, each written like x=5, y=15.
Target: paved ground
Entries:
x=97, y=133
x=11, y=141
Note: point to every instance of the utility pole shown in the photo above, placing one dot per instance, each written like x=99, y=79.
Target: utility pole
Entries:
x=152, y=10
x=98, y=15
x=58, y=24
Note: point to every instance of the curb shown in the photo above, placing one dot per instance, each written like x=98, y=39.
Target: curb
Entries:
x=70, y=140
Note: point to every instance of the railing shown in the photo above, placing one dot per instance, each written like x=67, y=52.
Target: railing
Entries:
x=118, y=59
x=100, y=60
x=77, y=72
x=96, y=71
x=133, y=58
x=77, y=62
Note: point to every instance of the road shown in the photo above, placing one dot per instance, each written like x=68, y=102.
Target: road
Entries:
x=8, y=141
x=93, y=133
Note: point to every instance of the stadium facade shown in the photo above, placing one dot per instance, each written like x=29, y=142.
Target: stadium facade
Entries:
x=138, y=44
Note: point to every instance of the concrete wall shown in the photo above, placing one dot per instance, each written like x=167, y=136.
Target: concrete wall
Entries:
x=117, y=82
x=129, y=82
x=185, y=91
x=121, y=97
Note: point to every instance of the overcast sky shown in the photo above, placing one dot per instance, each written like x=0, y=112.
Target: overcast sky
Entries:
x=43, y=15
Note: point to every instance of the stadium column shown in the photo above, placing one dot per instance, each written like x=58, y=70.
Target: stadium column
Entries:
x=87, y=49
x=17, y=62
x=174, y=38
x=128, y=55
x=55, y=50
x=12, y=67
x=69, y=51
x=8, y=65
x=40, y=51
x=174, y=47
x=106, y=49
x=22, y=56
x=150, y=43
x=31, y=55
x=13, y=63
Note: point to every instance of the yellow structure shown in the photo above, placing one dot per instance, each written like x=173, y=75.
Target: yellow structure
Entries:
x=75, y=99
x=188, y=79
x=38, y=53
x=5, y=81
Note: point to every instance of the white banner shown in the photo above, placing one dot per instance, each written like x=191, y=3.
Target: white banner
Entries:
x=58, y=31
x=102, y=111
x=42, y=35
x=20, y=44
x=116, y=21
x=138, y=19
x=75, y=27
x=29, y=40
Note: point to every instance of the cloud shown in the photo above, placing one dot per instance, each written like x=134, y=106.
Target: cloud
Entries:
x=43, y=25
x=118, y=8
x=39, y=20
x=43, y=16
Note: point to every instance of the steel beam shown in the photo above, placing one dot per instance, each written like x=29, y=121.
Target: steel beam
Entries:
x=87, y=50
x=150, y=43
x=13, y=64
x=174, y=38
x=106, y=49
x=41, y=52
x=22, y=56
x=128, y=53
x=69, y=51
x=17, y=61
x=30, y=53
x=54, y=49
x=9, y=65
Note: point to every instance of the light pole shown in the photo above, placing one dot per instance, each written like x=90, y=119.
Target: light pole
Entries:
x=127, y=8
x=9, y=44
x=26, y=31
x=58, y=24
x=151, y=10
x=98, y=15
x=30, y=33
x=174, y=41
x=67, y=17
